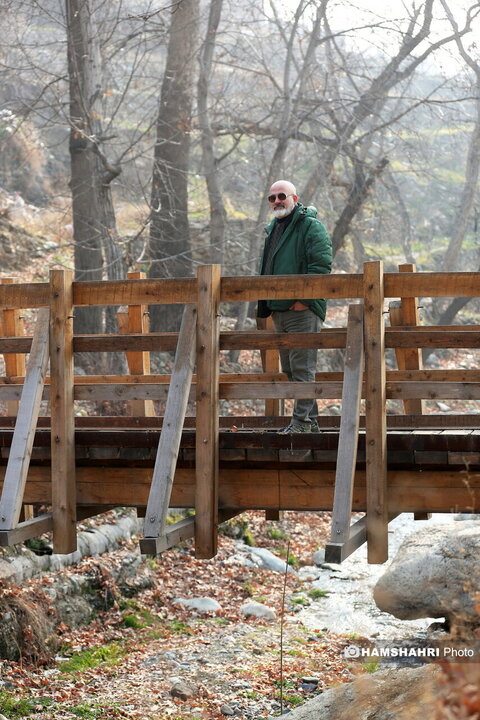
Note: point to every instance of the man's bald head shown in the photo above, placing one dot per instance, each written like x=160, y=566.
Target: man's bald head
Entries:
x=282, y=197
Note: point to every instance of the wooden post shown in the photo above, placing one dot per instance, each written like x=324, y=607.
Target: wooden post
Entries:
x=206, y=454
x=408, y=358
x=167, y=453
x=337, y=550
x=375, y=421
x=135, y=320
x=406, y=313
x=273, y=406
x=64, y=502
x=22, y=442
x=271, y=363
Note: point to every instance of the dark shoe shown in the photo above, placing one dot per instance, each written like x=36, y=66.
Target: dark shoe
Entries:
x=314, y=426
x=293, y=428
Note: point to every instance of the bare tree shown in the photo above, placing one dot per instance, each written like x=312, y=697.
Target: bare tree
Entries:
x=85, y=93
x=472, y=171
x=218, y=214
x=169, y=228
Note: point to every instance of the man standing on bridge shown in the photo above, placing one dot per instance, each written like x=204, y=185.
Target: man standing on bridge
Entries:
x=296, y=243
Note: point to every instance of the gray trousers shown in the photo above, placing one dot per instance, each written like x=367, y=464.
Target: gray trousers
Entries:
x=299, y=365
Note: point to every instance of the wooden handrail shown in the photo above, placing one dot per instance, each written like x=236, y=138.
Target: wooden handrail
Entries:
x=245, y=289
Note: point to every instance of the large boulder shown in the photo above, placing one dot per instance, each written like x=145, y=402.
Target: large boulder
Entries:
x=387, y=695
x=436, y=573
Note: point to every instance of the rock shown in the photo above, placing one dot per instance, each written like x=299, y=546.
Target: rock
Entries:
x=386, y=695
x=227, y=710
x=268, y=560
x=334, y=567
x=319, y=557
x=308, y=572
x=183, y=690
x=244, y=560
x=19, y=564
x=201, y=604
x=434, y=574
x=256, y=609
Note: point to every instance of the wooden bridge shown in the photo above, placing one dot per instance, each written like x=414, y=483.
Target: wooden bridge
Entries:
x=60, y=467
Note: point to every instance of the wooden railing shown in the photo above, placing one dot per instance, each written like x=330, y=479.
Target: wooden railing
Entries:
x=204, y=294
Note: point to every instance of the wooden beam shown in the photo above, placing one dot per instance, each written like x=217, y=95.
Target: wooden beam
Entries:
x=257, y=488
x=24, y=295
x=357, y=536
x=172, y=535
x=429, y=375
x=330, y=338
x=283, y=287
x=18, y=462
x=135, y=292
x=349, y=427
x=206, y=455
x=459, y=284
x=244, y=389
x=238, y=289
x=177, y=533
x=168, y=447
x=375, y=407
x=337, y=552
x=62, y=412
x=33, y=527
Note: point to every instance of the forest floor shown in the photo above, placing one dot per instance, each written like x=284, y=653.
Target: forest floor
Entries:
x=133, y=659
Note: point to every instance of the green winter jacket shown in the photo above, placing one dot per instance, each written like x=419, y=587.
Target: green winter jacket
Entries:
x=304, y=249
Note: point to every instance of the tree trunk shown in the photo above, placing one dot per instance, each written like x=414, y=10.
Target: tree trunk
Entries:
x=218, y=215
x=94, y=225
x=169, y=228
x=356, y=198
x=469, y=191
x=84, y=69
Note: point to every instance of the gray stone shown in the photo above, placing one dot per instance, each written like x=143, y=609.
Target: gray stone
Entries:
x=334, y=567
x=268, y=560
x=244, y=560
x=201, y=604
x=319, y=557
x=227, y=710
x=183, y=690
x=395, y=694
x=256, y=609
x=435, y=573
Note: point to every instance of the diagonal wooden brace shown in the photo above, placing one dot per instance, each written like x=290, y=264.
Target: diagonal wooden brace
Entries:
x=23, y=436
x=348, y=439
x=169, y=444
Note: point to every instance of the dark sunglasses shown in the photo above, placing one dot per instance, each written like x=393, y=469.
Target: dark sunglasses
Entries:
x=280, y=196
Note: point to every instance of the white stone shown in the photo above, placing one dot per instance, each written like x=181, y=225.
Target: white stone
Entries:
x=309, y=572
x=268, y=560
x=201, y=604
x=435, y=573
x=256, y=609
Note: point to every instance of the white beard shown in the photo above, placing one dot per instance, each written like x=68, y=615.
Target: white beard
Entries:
x=281, y=212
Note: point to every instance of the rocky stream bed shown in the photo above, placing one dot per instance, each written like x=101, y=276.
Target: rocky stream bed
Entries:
x=185, y=639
